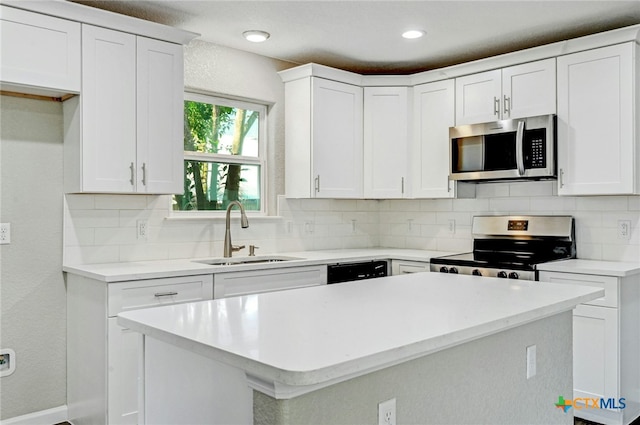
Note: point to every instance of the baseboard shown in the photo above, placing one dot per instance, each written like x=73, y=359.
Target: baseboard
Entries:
x=43, y=417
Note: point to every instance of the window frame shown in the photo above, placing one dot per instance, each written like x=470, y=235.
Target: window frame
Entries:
x=260, y=160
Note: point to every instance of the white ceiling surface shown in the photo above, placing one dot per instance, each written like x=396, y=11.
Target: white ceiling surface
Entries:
x=364, y=36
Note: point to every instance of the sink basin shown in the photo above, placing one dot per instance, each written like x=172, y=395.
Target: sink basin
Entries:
x=246, y=260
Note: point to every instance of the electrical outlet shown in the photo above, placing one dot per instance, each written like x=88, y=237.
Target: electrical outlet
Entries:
x=531, y=361
x=387, y=412
x=142, y=229
x=5, y=233
x=452, y=226
x=624, y=229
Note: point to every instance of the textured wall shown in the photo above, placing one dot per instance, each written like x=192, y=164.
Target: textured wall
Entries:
x=32, y=291
x=483, y=381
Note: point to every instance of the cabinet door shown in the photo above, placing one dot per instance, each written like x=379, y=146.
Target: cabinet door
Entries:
x=337, y=139
x=39, y=50
x=160, y=106
x=434, y=113
x=595, y=352
x=407, y=267
x=386, y=142
x=596, y=142
x=529, y=89
x=478, y=97
x=123, y=372
x=108, y=110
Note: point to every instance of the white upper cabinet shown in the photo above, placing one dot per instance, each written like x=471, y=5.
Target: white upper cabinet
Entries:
x=39, y=52
x=519, y=91
x=160, y=111
x=434, y=113
x=324, y=144
x=597, y=130
x=124, y=133
x=386, y=142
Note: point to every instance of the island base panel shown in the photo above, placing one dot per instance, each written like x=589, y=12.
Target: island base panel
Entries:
x=483, y=381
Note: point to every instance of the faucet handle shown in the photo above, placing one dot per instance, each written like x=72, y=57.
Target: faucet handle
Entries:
x=252, y=250
x=235, y=248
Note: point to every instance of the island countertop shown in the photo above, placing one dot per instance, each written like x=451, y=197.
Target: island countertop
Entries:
x=317, y=336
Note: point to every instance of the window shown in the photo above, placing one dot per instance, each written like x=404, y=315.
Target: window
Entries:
x=224, y=154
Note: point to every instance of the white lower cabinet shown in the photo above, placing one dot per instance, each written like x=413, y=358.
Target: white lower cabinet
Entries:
x=103, y=357
x=256, y=281
x=606, y=345
x=406, y=267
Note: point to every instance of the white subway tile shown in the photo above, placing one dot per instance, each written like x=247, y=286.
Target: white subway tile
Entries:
x=621, y=253
x=121, y=202
x=602, y=203
x=509, y=205
x=472, y=205
x=492, y=190
x=80, y=202
x=461, y=218
x=119, y=236
x=454, y=245
x=634, y=203
x=436, y=205
x=94, y=218
x=588, y=251
x=539, y=188
x=146, y=252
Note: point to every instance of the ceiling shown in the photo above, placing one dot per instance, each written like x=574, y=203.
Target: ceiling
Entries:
x=364, y=36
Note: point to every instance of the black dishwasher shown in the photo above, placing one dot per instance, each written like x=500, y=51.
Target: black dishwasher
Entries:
x=345, y=272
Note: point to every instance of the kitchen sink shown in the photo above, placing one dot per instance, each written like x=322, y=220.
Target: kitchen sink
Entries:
x=246, y=260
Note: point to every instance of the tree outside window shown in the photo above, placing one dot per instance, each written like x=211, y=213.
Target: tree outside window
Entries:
x=224, y=154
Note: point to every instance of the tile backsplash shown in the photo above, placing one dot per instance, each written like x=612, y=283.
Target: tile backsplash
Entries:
x=102, y=228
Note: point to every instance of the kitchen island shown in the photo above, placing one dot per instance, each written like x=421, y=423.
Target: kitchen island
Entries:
x=448, y=349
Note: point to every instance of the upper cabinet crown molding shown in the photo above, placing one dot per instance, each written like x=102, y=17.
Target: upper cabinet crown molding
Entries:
x=91, y=15
x=594, y=41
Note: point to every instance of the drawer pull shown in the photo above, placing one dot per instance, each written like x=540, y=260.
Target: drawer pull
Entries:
x=164, y=294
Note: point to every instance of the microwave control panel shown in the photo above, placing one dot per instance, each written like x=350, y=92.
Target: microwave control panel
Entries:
x=535, y=149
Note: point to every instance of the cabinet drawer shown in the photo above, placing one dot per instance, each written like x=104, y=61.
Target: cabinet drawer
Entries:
x=39, y=51
x=253, y=282
x=608, y=283
x=406, y=267
x=155, y=292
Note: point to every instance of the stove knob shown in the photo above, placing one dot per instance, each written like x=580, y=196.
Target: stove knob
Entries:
x=443, y=269
x=453, y=270
x=513, y=275
x=502, y=274
x=476, y=272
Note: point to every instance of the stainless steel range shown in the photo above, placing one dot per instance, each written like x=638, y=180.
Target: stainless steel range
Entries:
x=512, y=246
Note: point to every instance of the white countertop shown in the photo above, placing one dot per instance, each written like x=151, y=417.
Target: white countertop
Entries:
x=321, y=335
x=119, y=272
x=593, y=267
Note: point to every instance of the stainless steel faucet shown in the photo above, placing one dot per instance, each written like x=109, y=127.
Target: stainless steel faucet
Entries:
x=244, y=223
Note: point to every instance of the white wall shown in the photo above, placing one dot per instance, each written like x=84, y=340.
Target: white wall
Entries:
x=32, y=291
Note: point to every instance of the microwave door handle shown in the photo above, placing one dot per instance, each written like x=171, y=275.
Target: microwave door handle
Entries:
x=519, y=148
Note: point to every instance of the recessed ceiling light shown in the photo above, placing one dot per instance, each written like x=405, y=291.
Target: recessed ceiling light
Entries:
x=256, y=36
x=413, y=34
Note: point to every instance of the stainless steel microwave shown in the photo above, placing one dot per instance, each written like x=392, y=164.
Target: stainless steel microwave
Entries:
x=508, y=149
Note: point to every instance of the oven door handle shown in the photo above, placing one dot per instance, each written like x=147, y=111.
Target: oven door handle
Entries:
x=520, y=148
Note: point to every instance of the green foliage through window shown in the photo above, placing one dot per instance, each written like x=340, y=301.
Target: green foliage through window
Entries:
x=223, y=154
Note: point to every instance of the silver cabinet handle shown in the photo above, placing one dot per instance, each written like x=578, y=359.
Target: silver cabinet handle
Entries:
x=317, y=183
x=561, y=175
x=402, y=185
x=131, y=180
x=165, y=294
x=448, y=185
x=496, y=106
x=144, y=173
x=507, y=105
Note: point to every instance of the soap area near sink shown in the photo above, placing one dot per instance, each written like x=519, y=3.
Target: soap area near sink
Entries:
x=233, y=261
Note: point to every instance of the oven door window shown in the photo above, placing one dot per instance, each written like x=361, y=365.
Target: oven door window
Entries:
x=500, y=151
